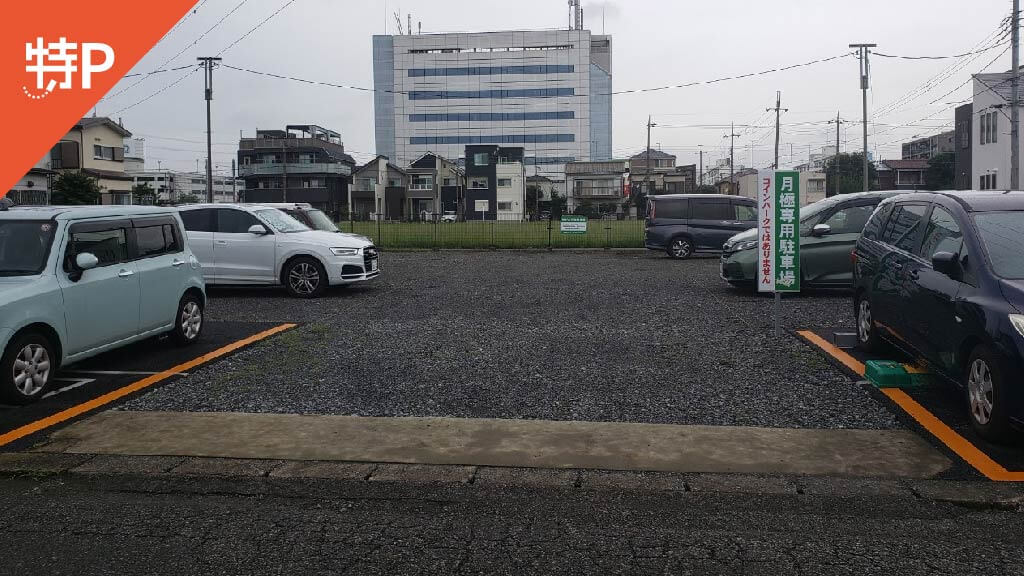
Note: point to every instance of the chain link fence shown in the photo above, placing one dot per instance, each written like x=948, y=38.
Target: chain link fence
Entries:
x=490, y=234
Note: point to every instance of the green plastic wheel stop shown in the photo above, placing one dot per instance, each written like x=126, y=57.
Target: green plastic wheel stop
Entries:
x=887, y=374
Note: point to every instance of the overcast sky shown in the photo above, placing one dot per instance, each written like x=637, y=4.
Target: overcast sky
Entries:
x=655, y=43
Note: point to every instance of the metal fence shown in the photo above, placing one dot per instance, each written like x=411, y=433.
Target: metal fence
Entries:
x=498, y=234
x=29, y=197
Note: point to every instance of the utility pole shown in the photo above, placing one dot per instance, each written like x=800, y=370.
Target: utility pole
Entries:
x=865, y=72
x=1015, y=100
x=208, y=63
x=701, y=148
x=835, y=160
x=732, y=156
x=647, y=171
x=778, y=131
x=234, y=192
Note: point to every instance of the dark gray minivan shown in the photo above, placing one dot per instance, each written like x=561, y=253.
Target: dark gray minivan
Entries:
x=682, y=224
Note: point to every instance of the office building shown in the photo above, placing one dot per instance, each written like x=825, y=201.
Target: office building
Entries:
x=548, y=92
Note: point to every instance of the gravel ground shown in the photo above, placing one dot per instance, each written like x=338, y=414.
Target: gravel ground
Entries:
x=602, y=336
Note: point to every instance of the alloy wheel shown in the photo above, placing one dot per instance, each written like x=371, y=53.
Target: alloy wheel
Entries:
x=680, y=248
x=304, y=278
x=191, y=319
x=864, y=320
x=979, y=390
x=31, y=369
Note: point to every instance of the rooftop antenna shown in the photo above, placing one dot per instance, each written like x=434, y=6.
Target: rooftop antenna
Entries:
x=409, y=27
x=419, y=27
x=398, y=22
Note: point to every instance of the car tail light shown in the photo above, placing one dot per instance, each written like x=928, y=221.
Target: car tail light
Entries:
x=853, y=257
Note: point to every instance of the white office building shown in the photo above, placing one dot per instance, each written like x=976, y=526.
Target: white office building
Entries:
x=547, y=91
x=171, y=185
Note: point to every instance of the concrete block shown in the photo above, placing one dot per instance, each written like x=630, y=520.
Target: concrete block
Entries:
x=40, y=463
x=111, y=464
x=225, y=467
x=330, y=470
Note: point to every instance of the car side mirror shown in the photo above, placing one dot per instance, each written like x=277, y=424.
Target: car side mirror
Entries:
x=947, y=263
x=257, y=229
x=821, y=230
x=84, y=261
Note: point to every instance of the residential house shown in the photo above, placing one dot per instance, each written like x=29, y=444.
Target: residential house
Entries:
x=964, y=138
x=812, y=185
x=436, y=186
x=95, y=147
x=134, y=154
x=302, y=163
x=545, y=187
x=650, y=180
x=681, y=180
x=603, y=185
x=34, y=187
x=495, y=183
x=990, y=151
x=901, y=174
x=378, y=191
x=929, y=146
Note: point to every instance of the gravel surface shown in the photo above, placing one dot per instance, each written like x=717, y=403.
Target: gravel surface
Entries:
x=602, y=336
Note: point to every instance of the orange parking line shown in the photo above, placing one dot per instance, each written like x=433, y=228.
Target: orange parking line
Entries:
x=955, y=442
x=833, y=351
x=109, y=397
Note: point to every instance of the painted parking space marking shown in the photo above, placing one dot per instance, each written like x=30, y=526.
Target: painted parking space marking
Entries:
x=75, y=383
x=124, y=391
x=970, y=452
x=119, y=372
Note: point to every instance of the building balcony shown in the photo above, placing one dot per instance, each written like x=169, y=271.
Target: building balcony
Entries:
x=289, y=143
x=294, y=168
x=612, y=192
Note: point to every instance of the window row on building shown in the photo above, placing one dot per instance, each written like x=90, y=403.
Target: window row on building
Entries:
x=494, y=139
x=459, y=94
x=492, y=70
x=493, y=116
x=490, y=49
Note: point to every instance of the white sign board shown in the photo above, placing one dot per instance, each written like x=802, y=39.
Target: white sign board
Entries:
x=482, y=205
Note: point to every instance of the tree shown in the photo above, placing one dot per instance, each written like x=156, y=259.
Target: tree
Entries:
x=143, y=194
x=558, y=204
x=706, y=189
x=75, y=188
x=189, y=198
x=850, y=168
x=533, y=195
x=941, y=172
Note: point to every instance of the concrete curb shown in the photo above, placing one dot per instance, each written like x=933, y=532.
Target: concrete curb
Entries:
x=973, y=494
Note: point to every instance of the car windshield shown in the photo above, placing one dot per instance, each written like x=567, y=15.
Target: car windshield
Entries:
x=24, y=246
x=1003, y=235
x=321, y=221
x=811, y=214
x=280, y=221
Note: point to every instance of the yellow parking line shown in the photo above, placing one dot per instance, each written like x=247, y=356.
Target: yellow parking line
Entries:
x=959, y=445
x=109, y=397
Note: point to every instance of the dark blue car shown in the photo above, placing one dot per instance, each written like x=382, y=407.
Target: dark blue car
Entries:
x=941, y=276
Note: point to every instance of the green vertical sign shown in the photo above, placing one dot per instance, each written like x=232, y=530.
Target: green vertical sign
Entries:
x=787, y=231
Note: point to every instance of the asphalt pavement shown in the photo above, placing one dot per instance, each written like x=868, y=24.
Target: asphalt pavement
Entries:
x=197, y=525
x=611, y=336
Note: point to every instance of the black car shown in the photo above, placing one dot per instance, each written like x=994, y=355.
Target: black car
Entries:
x=682, y=224
x=941, y=276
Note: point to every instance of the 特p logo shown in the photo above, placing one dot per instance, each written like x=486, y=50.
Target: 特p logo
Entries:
x=59, y=60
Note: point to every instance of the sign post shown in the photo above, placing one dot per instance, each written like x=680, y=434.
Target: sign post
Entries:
x=778, y=231
x=573, y=224
x=482, y=206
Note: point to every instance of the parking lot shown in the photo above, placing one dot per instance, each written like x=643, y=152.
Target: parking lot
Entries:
x=601, y=336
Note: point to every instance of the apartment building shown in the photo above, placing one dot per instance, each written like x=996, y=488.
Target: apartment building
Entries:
x=495, y=183
x=171, y=185
x=302, y=163
x=548, y=92
x=603, y=185
x=929, y=146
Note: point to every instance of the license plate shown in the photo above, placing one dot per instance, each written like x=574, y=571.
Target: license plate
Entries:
x=373, y=265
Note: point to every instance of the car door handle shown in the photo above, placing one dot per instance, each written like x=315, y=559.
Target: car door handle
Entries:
x=176, y=263
x=222, y=242
x=125, y=273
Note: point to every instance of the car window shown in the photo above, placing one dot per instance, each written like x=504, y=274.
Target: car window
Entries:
x=282, y=222
x=198, y=220
x=941, y=235
x=1003, y=235
x=745, y=213
x=904, y=226
x=24, y=246
x=711, y=210
x=877, y=220
x=108, y=246
x=849, y=220
x=155, y=239
x=670, y=209
x=231, y=221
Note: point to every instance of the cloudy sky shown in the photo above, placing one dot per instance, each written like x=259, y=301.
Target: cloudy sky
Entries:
x=656, y=43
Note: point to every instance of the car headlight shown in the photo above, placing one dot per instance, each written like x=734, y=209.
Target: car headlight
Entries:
x=345, y=251
x=1018, y=322
x=745, y=245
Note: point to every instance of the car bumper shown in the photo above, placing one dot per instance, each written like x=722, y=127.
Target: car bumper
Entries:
x=738, y=266
x=351, y=269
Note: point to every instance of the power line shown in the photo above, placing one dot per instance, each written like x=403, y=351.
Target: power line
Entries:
x=983, y=50
x=254, y=28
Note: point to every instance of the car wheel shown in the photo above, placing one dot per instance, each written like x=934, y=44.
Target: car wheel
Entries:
x=680, y=248
x=188, y=322
x=305, y=277
x=986, y=395
x=26, y=368
x=867, y=334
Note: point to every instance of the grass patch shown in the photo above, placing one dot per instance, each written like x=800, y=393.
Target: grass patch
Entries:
x=497, y=234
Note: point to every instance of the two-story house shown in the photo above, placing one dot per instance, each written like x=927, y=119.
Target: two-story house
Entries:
x=95, y=147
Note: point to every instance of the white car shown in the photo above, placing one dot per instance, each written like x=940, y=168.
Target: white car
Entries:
x=260, y=245
x=448, y=217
